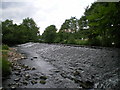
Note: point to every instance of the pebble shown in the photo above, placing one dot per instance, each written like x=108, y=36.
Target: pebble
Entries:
x=33, y=68
x=17, y=84
x=23, y=57
x=17, y=73
x=9, y=84
x=13, y=87
x=25, y=82
x=56, y=71
x=31, y=58
x=76, y=73
x=17, y=79
x=26, y=66
x=87, y=84
x=19, y=68
x=36, y=78
x=43, y=77
x=42, y=82
x=27, y=76
x=33, y=82
x=34, y=57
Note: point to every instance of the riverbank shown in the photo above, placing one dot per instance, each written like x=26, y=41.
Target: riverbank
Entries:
x=65, y=67
x=9, y=57
x=14, y=55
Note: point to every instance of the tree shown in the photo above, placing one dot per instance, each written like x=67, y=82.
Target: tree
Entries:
x=16, y=34
x=103, y=23
x=49, y=34
x=70, y=25
x=31, y=28
x=7, y=29
x=83, y=23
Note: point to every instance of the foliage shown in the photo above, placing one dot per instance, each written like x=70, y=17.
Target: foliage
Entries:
x=71, y=40
x=5, y=47
x=5, y=63
x=98, y=26
x=70, y=25
x=103, y=23
x=16, y=34
x=49, y=34
x=82, y=42
x=5, y=66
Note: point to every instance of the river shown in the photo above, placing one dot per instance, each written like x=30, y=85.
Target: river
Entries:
x=61, y=66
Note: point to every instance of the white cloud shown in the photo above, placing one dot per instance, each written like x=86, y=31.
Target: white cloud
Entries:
x=46, y=12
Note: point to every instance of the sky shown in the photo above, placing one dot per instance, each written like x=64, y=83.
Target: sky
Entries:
x=43, y=12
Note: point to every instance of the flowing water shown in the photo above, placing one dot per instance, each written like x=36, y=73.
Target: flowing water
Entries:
x=65, y=67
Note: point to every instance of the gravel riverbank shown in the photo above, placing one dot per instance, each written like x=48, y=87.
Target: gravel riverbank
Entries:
x=60, y=66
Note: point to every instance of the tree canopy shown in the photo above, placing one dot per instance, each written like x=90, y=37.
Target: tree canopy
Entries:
x=98, y=26
x=49, y=34
x=16, y=34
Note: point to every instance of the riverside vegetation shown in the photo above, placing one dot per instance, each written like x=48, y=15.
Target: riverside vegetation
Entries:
x=99, y=26
x=7, y=58
x=5, y=66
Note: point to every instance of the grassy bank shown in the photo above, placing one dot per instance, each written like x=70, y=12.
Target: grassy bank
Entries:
x=5, y=64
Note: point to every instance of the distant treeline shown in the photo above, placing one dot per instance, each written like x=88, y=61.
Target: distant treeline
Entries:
x=16, y=34
x=100, y=25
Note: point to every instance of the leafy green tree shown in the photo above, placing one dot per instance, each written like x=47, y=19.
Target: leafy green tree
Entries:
x=7, y=30
x=83, y=23
x=49, y=34
x=31, y=28
x=70, y=25
x=16, y=34
x=103, y=23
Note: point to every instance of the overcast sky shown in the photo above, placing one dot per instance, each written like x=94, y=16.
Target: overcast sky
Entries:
x=44, y=12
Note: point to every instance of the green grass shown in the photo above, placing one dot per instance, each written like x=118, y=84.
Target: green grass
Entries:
x=5, y=47
x=5, y=66
x=4, y=63
x=82, y=42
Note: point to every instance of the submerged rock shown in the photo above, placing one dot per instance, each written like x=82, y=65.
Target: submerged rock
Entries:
x=25, y=66
x=34, y=57
x=27, y=76
x=43, y=77
x=42, y=81
x=36, y=78
x=87, y=84
x=31, y=59
x=76, y=73
x=13, y=87
x=25, y=82
x=17, y=73
x=33, y=68
x=33, y=82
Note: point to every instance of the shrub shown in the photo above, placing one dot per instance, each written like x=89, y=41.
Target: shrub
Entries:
x=94, y=41
x=71, y=40
x=82, y=42
x=4, y=63
x=5, y=47
x=5, y=66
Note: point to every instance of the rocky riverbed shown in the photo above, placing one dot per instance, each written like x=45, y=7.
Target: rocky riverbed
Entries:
x=61, y=66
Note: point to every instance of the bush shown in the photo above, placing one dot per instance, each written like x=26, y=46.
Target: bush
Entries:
x=64, y=42
x=5, y=47
x=5, y=67
x=57, y=40
x=82, y=42
x=71, y=40
x=94, y=41
x=4, y=63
